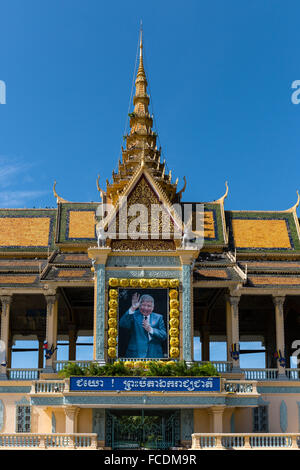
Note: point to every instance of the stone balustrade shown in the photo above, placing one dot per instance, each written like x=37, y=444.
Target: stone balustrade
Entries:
x=260, y=374
x=222, y=367
x=24, y=374
x=243, y=441
x=48, y=386
x=61, y=386
x=239, y=386
x=48, y=441
x=59, y=365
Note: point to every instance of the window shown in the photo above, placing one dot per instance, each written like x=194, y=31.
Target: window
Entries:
x=260, y=419
x=23, y=418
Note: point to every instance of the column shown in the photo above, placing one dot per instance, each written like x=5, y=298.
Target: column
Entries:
x=5, y=318
x=9, y=352
x=204, y=342
x=41, y=353
x=232, y=327
x=71, y=414
x=51, y=328
x=187, y=257
x=216, y=413
x=99, y=257
x=72, y=342
x=270, y=342
x=99, y=425
x=279, y=324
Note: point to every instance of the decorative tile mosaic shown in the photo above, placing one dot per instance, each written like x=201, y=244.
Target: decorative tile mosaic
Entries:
x=263, y=231
x=27, y=230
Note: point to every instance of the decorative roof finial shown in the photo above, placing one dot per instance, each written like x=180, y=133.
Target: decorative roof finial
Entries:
x=141, y=40
x=102, y=193
x=224, y=195
x=141, y=71
x=58, y=198
x=294, y=207
x=182, y=190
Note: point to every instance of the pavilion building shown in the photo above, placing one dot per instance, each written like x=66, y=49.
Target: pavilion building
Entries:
x=217, y=277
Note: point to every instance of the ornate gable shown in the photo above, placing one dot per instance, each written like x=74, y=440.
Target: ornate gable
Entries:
x=144, y=218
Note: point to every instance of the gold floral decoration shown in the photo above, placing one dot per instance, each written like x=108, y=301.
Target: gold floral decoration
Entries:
x=174, y=303
x=113, y=282
x=112, y=323
x=112, y=352
x=173, y=294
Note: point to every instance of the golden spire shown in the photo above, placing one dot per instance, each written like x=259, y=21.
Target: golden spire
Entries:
x=141, y=148
x=141, y=71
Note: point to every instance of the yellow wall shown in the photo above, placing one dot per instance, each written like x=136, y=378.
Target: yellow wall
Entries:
x=85, y=420
x=201, y=420
x=41, y=417
x=9, y=402
x=274, y=401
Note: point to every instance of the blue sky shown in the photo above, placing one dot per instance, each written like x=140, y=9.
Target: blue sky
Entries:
x=220, y=76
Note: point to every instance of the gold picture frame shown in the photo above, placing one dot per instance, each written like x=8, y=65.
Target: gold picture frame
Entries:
x=173, y=311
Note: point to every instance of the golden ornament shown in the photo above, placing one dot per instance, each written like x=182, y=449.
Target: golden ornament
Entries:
x=173, y=294
x=174, y=313
x=174, y=303
x=113, y=293
x=112, y=313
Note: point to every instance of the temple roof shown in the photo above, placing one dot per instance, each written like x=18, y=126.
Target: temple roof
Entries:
x=40, y=231
x=267, y=232
x=27, y=230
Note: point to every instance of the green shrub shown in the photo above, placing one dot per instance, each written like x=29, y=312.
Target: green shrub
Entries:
x=71, y=369
x=154, y=369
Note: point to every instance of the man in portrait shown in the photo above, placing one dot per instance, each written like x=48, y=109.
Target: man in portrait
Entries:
x=147, y=332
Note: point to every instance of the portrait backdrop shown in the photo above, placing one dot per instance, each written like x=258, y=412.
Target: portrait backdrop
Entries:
x=133, y=334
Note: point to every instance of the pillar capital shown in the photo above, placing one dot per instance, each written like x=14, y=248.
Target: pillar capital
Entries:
x=5, y=301
x=187, y=256
x=71, y=411
x=278, y=301
x=50, y=301
x=234, y=300
x=99, y=255
x=216, y=409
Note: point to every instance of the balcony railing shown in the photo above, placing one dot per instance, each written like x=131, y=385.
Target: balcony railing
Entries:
x=61, y=386
x=48, y=441
x=293, y=374
x=245, y=441
x=24, y=374
x=222, y=367
x=239, y=386
x=59, y=365
x=260, y=374
x=48, y=386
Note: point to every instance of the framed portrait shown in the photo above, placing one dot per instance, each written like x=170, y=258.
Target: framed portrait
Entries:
x=143, y=318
